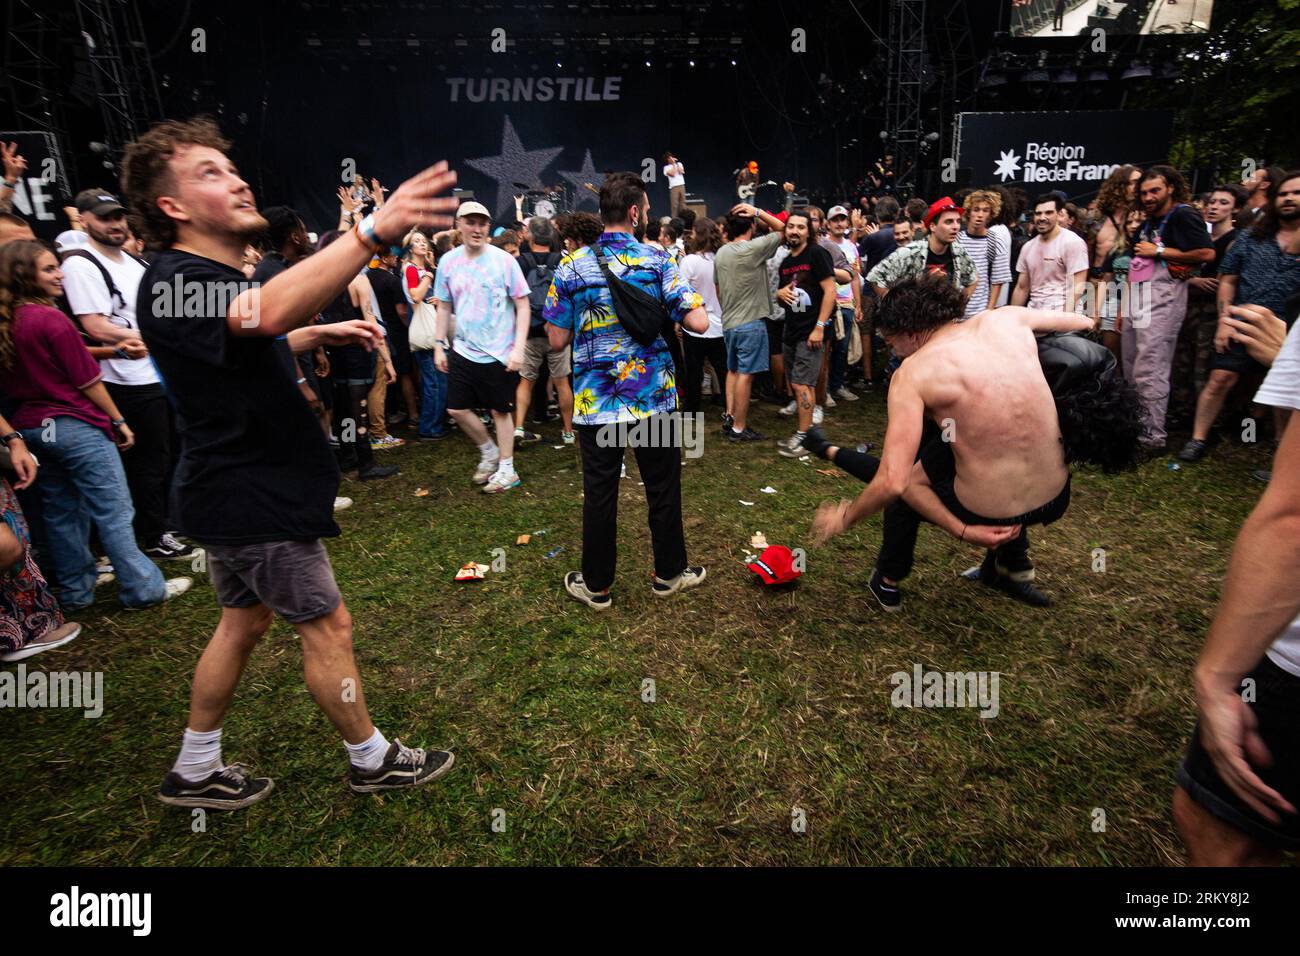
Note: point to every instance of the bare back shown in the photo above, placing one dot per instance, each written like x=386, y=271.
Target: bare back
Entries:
x=982, y=383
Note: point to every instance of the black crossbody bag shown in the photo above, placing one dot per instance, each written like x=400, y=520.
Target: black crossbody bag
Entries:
x=642, y=316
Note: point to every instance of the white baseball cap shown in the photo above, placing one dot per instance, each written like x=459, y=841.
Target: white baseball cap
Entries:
x=473, y=209
x=836, y=211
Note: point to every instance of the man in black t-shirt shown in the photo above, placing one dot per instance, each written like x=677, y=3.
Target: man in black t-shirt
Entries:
x=256, y=480
x=806, y=291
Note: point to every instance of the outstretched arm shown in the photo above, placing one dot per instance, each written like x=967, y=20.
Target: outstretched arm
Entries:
x=1046, y=320
x=902, y=439
x=921, y=498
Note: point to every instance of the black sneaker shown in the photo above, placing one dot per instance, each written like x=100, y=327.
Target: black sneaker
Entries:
x=526, y=437
x=1016, y=585
x=377, y=471
x=747, y=435
x=1193, y=451
x=403, y=766
x=727, y=423
x=170, y=549
x=889, y=596
x=230, y=788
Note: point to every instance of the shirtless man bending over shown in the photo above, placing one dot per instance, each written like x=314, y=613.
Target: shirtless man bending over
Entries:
x=990, y=460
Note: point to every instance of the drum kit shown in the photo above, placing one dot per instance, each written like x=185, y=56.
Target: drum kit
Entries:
x=545, y=202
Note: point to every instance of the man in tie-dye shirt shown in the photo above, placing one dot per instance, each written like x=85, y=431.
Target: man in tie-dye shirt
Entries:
x=617, y=383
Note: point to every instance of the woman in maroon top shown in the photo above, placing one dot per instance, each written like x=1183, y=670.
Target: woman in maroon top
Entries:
x=66, y=416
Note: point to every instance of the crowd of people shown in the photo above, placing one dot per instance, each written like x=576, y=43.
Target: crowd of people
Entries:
x=148, y=420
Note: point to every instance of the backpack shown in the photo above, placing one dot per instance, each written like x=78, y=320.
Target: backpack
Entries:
x=114, y=292
x=538, y=273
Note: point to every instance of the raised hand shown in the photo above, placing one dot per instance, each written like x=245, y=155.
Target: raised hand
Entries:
x=414, y=204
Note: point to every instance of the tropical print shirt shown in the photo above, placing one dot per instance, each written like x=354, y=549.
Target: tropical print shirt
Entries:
x=616, y=378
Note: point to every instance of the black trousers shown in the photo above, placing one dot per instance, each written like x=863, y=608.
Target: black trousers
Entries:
x=696, y=351
x=147, y=462
x=352, y=423
x=661, y=470
x=902, y=524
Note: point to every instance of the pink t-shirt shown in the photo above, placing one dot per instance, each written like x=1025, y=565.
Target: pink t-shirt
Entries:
x=53, y=367
x=1051, y=266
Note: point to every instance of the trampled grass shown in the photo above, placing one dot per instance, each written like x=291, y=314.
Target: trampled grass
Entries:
x=765, y=702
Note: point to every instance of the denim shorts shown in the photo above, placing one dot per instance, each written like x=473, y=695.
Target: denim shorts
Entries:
x=747, y=348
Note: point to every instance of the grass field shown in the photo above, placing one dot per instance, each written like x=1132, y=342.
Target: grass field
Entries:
x=764, y=702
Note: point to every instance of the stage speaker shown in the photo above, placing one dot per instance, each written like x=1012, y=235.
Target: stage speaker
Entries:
x=697, y=206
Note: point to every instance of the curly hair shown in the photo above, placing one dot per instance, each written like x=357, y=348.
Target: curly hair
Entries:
x=1173, y=179
x=993, y=199
x=1098, y=410
x=920, y=304
x=581, y=228
x=18, y=286
x=146, y=174
x=1113, y=195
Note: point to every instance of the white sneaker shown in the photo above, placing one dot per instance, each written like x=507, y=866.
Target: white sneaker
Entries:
x=844, y=395
x=175, y=588
x=792, y=447
x=342, y=504
x=789, y=409
x=818, y=415
x=500, y=482
x=830, y=401
x=568, y=437
x=69, y=630
x=485, y=470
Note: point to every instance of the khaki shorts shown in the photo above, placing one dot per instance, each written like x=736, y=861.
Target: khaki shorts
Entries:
x=538, y=349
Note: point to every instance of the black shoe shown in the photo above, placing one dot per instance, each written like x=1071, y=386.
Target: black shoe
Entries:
x=527, y=438
x=1148, y=452
x=402, y=767
x=377, y=471
x=230, y=788
x=889, y=596
x=1015, y=584
x=434, y=438
x=747, y=435
x=816, y=442
x=169, y=549
x=1193, y=451
x=727, y=422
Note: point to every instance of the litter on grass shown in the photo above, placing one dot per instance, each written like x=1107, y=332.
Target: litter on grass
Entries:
x=769, y=490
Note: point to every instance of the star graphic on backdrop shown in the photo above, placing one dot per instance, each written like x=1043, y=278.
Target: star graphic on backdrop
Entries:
x=513, y=164
x=1007, y=165
x=587, y=174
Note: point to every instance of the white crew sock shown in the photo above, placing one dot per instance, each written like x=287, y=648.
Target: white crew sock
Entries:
x=369, y=754
x=507, y=466
x=200, y=755
x=488, y=450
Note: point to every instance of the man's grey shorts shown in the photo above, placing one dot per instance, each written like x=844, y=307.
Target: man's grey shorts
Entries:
x=537, y=350
x=293, y=578
x=803, y=365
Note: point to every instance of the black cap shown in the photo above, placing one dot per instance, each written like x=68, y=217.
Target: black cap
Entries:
x=99, y=202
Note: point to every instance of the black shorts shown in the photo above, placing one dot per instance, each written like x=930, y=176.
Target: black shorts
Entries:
x=479, y=384
x=940, y=466
x=1277, y=711
x=1235, y=359
x=293, y=578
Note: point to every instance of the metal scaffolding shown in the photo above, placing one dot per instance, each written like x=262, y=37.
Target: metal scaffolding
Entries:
x=123, y=76
x=906, y=55
x=32, y=77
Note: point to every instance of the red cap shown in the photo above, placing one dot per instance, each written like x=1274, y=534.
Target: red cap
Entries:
x=940, y=206
x=783, y=215
x=775, y=565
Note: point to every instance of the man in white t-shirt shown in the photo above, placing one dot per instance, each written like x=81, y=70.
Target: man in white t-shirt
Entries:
x=848, y=300
x=101, y=281
x=1053, y=265
x=1239, y=784
x=486, y=289
x=675, y=173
